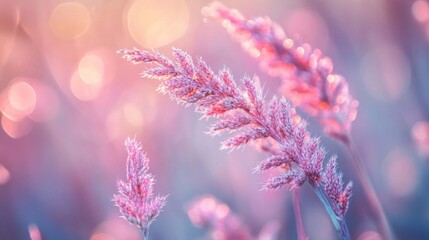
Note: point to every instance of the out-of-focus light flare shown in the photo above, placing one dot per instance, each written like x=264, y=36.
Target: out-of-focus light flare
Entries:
x=420, y=10
x=16, y=129
x=4, y=175
x=22, y=97
x=420, y=134
x=386, y=71
x=401, y=174
x=369, y=235
x=69, y=20
x=87, y=82
x=155, y=23
x=34, y=232
x=18, y=100
x=91, y=69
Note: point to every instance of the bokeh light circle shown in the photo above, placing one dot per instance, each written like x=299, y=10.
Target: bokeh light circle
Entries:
x=89, y=78
x=420, y=10
x=22, y=97
x=16, y=129
x=18, y=100
x=4, y=175
x=155, y=23
x=401, y=174
x=69, y=20
x=91, y=69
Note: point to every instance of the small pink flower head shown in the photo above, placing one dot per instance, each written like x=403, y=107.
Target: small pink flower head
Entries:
x=209, y=213
x=135, y=199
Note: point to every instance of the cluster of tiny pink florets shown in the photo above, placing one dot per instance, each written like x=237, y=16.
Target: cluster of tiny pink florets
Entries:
x=243, y=109
x=211, y=214
x=135, y=199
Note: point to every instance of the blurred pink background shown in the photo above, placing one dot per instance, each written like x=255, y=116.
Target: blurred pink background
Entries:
x=68, y=102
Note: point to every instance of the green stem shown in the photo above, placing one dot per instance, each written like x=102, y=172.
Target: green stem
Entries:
x=338, y=220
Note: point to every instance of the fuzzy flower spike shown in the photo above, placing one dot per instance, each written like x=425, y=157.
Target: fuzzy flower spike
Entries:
x=308, y=78
x=243, y=110
x=308, y=81
x=135, y=199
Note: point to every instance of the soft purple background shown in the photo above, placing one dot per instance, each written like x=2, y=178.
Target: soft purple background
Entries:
x=68, y=102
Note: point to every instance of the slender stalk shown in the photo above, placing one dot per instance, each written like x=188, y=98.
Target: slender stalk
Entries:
x=298, y=217
x=338, y=221
x=371, y=196
x=145, y=232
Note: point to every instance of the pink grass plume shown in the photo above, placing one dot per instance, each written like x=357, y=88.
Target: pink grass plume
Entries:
x=308, y=78
x=308, y=81
x=243, y=110
x=217, y=218
x=136, y=200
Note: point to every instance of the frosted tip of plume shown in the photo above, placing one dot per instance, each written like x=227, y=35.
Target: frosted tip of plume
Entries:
x=132, y=145
x=344, y=199
x=135, y=199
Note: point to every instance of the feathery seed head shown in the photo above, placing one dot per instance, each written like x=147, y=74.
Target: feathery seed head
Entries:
x=243, y=109
x=135, y=198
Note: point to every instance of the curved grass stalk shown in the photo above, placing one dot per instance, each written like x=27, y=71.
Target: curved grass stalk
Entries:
x=370, y=194
x=338, y=220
